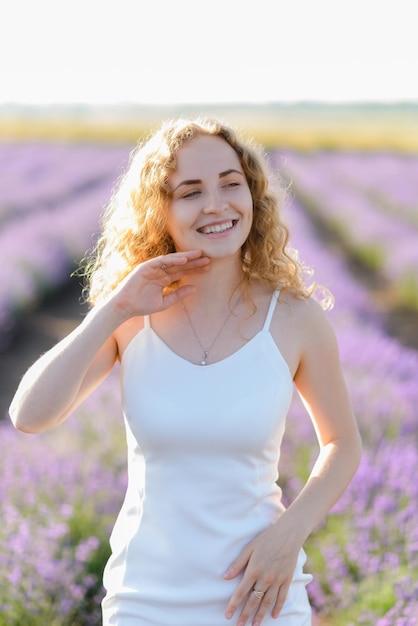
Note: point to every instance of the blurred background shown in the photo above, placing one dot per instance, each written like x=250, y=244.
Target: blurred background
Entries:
x=328, y=89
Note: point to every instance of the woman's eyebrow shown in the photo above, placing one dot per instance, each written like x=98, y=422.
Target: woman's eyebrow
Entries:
x=197, y=181
x=232, y=171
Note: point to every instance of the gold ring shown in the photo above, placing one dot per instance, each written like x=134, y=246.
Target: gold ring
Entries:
x=259, y=594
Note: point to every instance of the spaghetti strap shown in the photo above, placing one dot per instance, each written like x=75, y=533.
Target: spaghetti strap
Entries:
x=147, y=321
x=273, y=302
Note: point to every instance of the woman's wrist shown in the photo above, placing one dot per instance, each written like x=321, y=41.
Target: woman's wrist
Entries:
x=294, y=527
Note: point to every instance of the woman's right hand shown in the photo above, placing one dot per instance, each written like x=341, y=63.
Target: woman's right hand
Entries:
x=143, y=291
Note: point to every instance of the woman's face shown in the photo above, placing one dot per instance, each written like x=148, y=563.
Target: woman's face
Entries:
x=211, y=207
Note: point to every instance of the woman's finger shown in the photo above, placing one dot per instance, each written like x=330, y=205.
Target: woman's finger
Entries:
x=281, y=598
x=239, y=564
x=265, y=603
x=172, y=298
x=178, y=258
x=257, y=601
x=177, y=267
x=243, y=596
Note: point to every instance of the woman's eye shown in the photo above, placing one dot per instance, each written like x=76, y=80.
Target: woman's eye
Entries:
x=191, y=194
x=232, y=184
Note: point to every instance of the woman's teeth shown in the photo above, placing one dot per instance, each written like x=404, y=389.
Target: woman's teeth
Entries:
x=216, y=228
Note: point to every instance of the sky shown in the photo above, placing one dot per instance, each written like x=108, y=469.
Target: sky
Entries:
x=211, y=51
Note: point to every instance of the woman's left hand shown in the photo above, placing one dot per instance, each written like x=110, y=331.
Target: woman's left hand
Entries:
x=268, y=563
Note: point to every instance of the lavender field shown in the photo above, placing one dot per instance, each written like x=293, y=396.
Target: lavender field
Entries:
x=60, y=491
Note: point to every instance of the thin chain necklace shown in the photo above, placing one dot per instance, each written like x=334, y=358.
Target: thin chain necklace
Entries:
x=206, y=351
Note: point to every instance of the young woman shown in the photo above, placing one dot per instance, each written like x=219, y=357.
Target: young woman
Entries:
x=195, y=292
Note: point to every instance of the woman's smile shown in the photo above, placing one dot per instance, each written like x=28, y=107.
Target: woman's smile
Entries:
x=218, y=228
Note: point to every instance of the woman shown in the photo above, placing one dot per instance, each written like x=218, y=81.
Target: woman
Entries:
x=195, y=292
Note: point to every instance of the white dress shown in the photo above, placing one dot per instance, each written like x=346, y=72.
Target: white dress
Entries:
x=203, y=451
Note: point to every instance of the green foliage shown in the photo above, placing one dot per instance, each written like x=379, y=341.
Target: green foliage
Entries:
x=408, y=289
x=371, y=256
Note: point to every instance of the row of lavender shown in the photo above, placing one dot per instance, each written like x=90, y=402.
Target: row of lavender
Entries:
x=50, y=200
x=57, y=514
x=367, y=552
x=370, y=199
x=371, y=202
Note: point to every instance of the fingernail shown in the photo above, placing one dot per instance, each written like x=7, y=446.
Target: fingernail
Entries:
x=227, y=574
x=228, y=615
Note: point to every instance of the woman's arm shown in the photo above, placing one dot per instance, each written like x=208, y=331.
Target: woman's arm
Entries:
x=59, y=380
x=321, y=385
x=65, y=375
x=268, y=562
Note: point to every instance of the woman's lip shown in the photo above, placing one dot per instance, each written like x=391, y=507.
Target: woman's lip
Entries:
x=217, y=228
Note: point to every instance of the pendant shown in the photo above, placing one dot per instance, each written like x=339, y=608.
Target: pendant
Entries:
x=205, y=356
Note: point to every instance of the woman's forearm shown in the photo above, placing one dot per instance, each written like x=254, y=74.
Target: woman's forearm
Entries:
x=330, y=476
x=59, y=380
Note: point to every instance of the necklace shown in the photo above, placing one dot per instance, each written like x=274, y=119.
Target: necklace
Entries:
x=206, y=351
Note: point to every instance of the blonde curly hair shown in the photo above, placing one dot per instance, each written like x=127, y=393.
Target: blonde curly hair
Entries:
x=134, y=222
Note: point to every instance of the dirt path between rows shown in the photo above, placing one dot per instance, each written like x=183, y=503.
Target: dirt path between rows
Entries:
x=35, y=333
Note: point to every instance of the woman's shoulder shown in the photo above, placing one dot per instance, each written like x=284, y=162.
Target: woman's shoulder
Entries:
x=300, y=307
x=301, y=316
x=301, y=329
x=126, y=332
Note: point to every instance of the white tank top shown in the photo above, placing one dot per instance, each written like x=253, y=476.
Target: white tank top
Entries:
x=203, y=452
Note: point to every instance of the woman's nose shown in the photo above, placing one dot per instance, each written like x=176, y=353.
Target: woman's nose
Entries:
x=215, y=202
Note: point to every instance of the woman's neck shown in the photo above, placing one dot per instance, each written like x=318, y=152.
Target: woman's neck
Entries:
x=215, y=287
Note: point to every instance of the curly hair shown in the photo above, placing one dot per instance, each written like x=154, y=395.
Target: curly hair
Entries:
x=134, y=222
